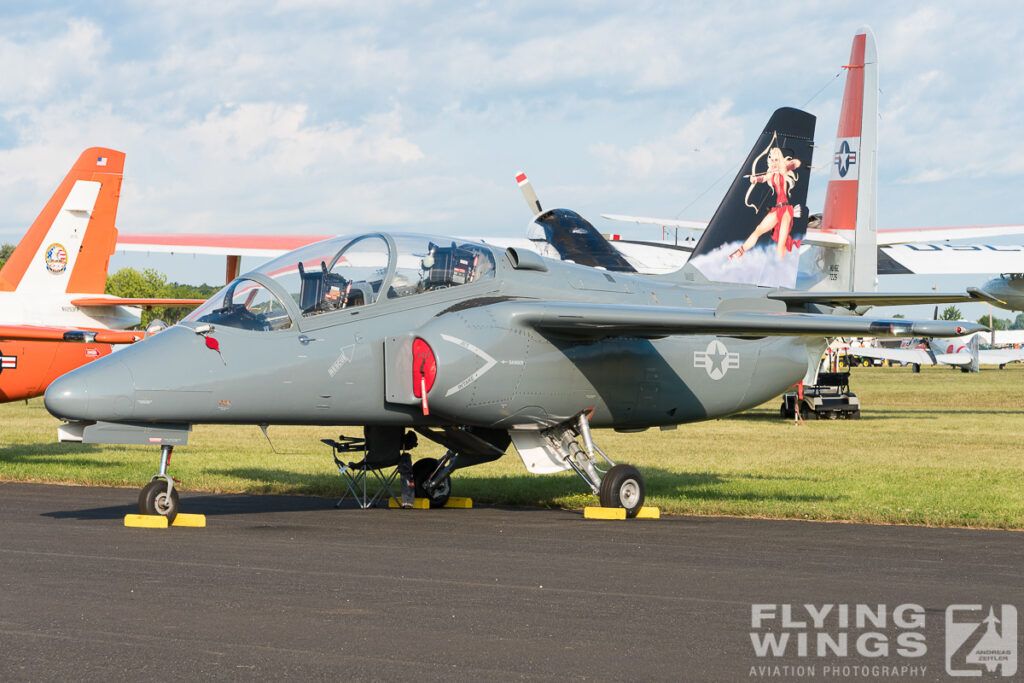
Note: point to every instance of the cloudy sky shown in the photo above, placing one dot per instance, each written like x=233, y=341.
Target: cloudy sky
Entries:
x=322, y=116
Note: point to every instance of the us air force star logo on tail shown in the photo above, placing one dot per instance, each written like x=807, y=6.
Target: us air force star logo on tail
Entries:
x=846, y=162
x=716, y=359
x=845, y=158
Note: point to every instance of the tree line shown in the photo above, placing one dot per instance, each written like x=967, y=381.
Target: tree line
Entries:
x=991, y=322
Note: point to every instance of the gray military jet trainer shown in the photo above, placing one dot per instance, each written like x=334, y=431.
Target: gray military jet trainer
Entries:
x=475, y=347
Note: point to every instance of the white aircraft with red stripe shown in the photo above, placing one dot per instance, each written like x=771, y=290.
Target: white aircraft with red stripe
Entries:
x=54, y=315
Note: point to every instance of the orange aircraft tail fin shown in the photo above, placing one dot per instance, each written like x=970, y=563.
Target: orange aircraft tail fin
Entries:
x=68, y=247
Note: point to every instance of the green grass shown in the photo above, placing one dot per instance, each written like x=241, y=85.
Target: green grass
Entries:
x=937, y=448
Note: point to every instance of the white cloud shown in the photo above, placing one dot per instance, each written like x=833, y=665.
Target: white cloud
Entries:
x=315, y=115
x=57, y=64
x=280, y=137
x=707, y=139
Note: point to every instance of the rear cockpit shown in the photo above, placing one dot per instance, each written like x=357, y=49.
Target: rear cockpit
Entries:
x=345, y=273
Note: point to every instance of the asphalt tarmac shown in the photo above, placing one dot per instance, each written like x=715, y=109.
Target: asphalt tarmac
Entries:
x=288, y=587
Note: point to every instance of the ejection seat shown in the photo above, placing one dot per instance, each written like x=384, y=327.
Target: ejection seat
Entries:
x=385, y=459
x=448, y=266
x=324, y=291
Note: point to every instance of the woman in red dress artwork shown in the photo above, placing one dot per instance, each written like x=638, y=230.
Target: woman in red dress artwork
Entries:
x=781, y=177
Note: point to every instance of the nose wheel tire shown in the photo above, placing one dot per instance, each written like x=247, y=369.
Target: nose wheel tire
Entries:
x=439, y=493
x=154, y=500
x=623, y=487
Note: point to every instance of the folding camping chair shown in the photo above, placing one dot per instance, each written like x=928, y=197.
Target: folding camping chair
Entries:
x=368, y=482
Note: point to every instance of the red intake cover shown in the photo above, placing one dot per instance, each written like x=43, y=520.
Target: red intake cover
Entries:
x=424, y=367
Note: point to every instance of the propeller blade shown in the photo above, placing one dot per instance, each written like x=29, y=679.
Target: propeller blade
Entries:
x=528, y=194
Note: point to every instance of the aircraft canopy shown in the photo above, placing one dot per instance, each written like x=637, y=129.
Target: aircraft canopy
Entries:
x=346, y=272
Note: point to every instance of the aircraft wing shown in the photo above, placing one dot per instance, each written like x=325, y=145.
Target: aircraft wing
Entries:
x=819, y=238
x=118, y=301
x=855, y=299
x=63, y=334
x=262, y=246
x=663, y=222
x=941, y=258
x=887, y=237
x=891, y=236
x=595, y=321
x=919, y=356
x=1000, y=356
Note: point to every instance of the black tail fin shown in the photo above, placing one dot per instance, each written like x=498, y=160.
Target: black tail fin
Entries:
x=755, y=234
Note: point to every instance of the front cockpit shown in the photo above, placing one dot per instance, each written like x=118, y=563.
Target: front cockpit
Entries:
x=344, y=273
x=245, y=304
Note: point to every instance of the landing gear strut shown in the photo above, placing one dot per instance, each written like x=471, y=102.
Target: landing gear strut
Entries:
x=433, y=479
x=467, y=446
x=620, y=486
x=159, y=497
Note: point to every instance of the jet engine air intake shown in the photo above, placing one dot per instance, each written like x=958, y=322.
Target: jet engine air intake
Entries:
x=524, y=259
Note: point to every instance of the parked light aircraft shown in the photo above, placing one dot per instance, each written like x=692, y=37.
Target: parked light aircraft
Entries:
x=51, y=288
x=475, y=346
x=962, y=352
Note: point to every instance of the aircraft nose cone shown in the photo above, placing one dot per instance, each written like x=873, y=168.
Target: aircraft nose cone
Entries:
x=67, y=397
x=103, y=390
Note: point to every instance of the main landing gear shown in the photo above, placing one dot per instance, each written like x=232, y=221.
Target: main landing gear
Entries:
x=619, y=486
x=467, y=446
x=433, y=479
x=159, y=497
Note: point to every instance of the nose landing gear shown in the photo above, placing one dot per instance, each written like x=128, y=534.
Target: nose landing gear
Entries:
x=620, y=486
x=159, y=497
